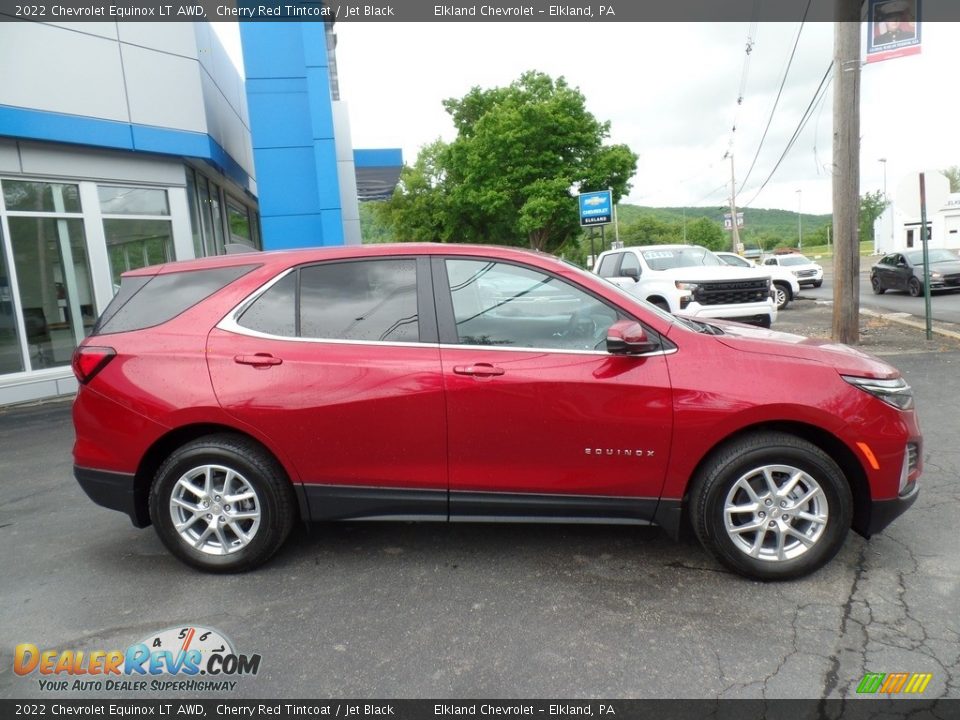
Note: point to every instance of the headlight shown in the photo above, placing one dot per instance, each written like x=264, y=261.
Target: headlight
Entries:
x=894, y=392
x=936, y=276
x=686, y=286
x=795, y=272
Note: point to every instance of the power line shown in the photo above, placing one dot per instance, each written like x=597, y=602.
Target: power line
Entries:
x=751, y=38
x=776, y=102
x=807, y=114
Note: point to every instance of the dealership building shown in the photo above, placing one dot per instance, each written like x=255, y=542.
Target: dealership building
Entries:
x=129, y=144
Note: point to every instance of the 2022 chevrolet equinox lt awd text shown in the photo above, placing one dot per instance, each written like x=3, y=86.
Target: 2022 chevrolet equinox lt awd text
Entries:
x=222, y=399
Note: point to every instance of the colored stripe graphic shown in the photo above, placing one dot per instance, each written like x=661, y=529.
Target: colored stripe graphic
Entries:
x=871, y=683
x=918, y=683
x=894, y=683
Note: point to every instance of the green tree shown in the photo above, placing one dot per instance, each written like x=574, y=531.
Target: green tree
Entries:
x=372, y=229
x=872, y=206
x=953, y=175
x=704, y=231
x=507, y=177
x=419, y=209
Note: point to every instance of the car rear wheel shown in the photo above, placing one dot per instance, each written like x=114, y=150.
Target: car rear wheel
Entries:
x=914, y=287
x=771, y=506
x=878, y=288
x=782, y=295
x=221, y=504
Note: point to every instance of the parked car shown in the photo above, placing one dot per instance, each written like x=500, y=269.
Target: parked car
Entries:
x=785, y=284
x=806, y=270
x=904, y=271
x=223, y=399
x=690, y=280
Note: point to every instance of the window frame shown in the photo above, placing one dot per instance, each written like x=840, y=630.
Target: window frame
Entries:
x=446, y=318
x=426, y=310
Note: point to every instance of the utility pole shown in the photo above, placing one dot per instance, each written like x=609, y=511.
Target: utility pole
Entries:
x=733, y=208
x=846, y=172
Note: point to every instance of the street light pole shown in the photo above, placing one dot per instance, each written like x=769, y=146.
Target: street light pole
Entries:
x=799, y=219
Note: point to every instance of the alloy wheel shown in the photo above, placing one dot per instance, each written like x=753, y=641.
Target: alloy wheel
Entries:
x=775, y=513
x=215, y=510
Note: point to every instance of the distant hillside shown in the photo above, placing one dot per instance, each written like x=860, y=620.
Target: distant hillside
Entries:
x=775, y=222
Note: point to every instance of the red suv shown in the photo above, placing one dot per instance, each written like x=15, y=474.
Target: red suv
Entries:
x=222, y=399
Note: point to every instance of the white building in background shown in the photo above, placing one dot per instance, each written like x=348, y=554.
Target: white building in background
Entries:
x=895, y=231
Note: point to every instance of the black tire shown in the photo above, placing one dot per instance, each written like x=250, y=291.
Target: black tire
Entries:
x=914, y=287
x=258, y=484
x=818, y=283
x=783, y=294
x=718, y=487
x=878, y=288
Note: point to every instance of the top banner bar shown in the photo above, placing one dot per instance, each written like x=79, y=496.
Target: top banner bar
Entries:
x=433, y=11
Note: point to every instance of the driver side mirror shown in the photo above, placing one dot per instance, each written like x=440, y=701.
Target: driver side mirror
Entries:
x=626, y=337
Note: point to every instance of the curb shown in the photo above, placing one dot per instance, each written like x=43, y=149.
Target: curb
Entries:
x=907, y=319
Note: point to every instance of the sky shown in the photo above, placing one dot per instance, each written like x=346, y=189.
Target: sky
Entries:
x=670, y=92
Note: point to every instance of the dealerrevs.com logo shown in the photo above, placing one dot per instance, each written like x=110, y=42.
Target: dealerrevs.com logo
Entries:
x=183, y=659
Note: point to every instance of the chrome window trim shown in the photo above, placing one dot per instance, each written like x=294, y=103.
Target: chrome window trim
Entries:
x=230, y=323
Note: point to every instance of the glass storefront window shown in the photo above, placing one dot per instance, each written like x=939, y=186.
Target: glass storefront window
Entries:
x=239, y=223
x=23, y=196
x=132, y=201
x=53, y=275
x=11, y=356
x=217, y=216
x=135, y=244
x=192, y=203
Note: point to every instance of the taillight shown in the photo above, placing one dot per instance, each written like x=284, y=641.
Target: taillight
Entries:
x=89, y=360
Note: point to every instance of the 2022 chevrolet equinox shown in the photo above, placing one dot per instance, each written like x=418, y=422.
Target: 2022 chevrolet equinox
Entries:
x=222, y=399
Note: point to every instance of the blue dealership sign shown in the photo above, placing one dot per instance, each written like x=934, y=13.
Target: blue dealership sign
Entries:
x=596, y=208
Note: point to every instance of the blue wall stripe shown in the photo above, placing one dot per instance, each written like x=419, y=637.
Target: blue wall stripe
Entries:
x=378, y=157
x=27, y=124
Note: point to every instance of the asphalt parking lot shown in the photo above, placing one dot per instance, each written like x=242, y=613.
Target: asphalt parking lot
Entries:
x=406, y=610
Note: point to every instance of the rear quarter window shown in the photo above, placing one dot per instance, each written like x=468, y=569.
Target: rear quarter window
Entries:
x=147, y=301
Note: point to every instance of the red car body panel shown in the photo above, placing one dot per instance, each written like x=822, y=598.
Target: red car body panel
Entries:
x=331, y=407
x=588, y=424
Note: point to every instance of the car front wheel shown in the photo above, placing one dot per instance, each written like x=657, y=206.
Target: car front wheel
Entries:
x=914, y=287
x=221, y=504
x=782, y=295
x=771, y=506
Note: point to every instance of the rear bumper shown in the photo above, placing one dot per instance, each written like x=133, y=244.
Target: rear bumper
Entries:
x=884, y=512
x=114, y=490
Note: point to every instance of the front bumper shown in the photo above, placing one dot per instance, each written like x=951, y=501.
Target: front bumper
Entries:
x=116, y=491
x=741, y=312
x=884, y=512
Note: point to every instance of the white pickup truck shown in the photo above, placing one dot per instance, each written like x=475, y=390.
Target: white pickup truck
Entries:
x=690, y=280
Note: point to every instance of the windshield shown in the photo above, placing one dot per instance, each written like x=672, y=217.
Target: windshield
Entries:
x=795, y=260
x=680, y=257
x=936, y=256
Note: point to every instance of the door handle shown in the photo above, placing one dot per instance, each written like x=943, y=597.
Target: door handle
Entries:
x=259, y=360
x=479, y=370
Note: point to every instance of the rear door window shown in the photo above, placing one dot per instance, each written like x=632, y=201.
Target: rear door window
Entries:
x=366, y=300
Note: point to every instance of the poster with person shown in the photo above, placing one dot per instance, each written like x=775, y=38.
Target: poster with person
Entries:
x=893, y=29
